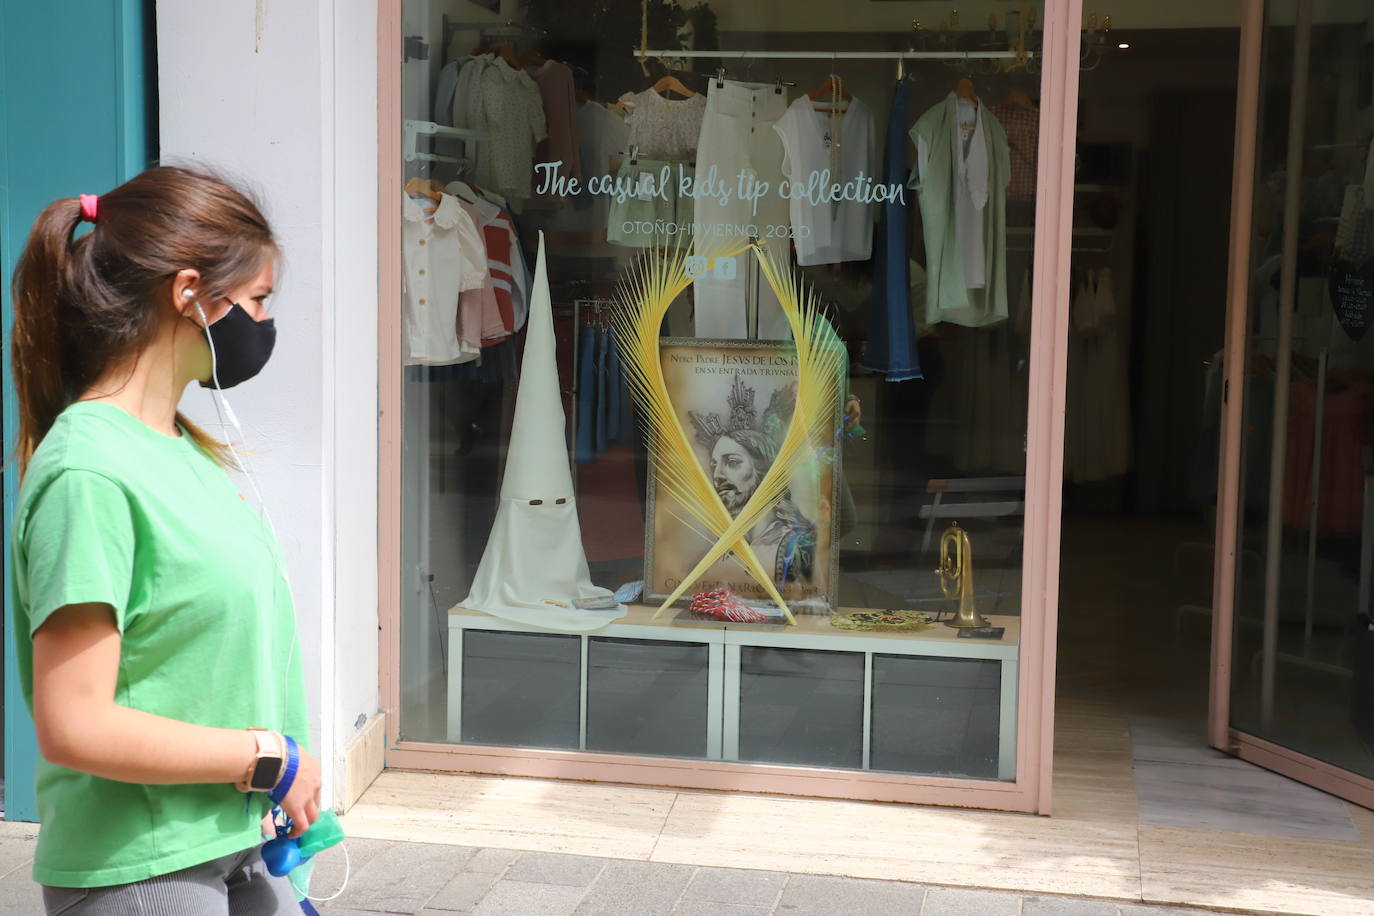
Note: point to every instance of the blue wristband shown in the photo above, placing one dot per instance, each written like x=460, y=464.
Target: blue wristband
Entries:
x=293, y=762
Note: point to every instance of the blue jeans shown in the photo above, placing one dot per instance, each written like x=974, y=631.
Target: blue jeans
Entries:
x=891, y=345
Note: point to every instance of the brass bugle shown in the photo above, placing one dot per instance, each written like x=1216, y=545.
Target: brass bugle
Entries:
x=956, y=576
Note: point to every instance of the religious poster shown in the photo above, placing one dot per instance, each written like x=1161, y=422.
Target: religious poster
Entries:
x=734, y=400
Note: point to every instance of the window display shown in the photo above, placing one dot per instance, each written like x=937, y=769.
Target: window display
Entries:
x=683, y=486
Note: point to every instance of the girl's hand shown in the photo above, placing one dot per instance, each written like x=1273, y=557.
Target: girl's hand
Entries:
x=302, y=802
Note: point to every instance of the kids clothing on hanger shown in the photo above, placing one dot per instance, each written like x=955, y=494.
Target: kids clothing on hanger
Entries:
x=962, y=170
x=827, y=149
x=442, y=253
x=480, y=308
x=737, y=139
x=664, y=128
x=555, y=82
x=654, y=213
x=1022, y=127
x=509, y=110
x=1097, y=432
x=602, y=140
x=890, y=347
x=663, y=134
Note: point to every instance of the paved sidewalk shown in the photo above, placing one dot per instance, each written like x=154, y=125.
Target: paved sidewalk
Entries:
x=441, y=880
x=437, y=880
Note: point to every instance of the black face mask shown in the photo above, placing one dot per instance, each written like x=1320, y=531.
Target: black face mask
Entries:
x=241, y=347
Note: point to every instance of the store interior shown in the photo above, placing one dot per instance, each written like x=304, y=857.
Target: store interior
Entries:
x=1151, y=237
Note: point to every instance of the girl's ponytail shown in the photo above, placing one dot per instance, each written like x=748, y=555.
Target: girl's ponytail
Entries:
x=43, y=281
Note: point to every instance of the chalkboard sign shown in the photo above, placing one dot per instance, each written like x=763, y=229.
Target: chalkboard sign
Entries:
x=1352, y=296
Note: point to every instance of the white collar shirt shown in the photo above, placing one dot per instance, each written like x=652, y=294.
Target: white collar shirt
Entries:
x=444, y=257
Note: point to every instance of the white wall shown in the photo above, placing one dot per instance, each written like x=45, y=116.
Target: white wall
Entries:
x=283, y=94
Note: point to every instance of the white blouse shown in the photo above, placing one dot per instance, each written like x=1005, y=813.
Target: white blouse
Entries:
x=827, y=232
x=664, y=128
x=444, y=257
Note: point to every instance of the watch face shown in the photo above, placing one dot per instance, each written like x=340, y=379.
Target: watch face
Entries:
x=265, y=773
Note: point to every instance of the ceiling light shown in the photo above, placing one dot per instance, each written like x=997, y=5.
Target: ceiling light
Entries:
x=1124, y=45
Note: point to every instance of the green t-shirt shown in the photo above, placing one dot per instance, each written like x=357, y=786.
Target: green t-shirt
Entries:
x=115, y=512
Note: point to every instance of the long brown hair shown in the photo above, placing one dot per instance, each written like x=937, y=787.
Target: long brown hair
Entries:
x=83, y=304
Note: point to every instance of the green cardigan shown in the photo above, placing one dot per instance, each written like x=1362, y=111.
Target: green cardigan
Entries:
x=947, y=299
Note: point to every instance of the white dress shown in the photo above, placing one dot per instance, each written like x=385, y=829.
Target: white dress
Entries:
x=828, y=232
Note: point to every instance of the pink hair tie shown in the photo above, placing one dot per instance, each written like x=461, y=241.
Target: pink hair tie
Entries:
x=88, y=207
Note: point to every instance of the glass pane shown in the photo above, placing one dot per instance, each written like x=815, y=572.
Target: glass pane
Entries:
x=528, y=484
x=1304, y=648
x=521, y=688
x=647, y=697
x=801, y=706
x=936, y=716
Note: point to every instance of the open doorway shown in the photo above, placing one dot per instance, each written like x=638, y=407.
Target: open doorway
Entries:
x=1150, y=242
x=1144, y=407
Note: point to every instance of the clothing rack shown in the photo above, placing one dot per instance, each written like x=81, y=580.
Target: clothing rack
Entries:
x=841, y=55
x=484, y=28
x=414, y=129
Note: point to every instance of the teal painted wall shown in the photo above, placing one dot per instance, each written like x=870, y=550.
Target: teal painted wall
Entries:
x=78, y=114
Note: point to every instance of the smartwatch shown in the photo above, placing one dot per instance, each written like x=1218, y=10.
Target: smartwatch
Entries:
x=264, y=772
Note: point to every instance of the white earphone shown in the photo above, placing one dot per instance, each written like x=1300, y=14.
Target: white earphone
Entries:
x=223, y=410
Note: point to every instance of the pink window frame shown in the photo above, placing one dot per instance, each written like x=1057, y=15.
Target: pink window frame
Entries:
x=1031, y=791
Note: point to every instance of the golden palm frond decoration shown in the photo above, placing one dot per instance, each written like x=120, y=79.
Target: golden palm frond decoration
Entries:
x=646, y=295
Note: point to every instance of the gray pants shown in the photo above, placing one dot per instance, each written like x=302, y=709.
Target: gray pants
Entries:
x=234, y=885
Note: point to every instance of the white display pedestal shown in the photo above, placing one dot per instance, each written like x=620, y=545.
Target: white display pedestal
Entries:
x=724, y=644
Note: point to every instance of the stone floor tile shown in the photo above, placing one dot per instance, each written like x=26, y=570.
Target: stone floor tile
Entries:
x=711, y=908
x=16, y=853
x=737, y=886
x=19, y=895
x=516, y=898
x=328, y=873
x=555, y=868
x=627, y=888
x=811, y=895
x=463, y=893
x=1145, y=909
x=492, y=861
x=1066, y=906
x=402, y=877
x=950, y=901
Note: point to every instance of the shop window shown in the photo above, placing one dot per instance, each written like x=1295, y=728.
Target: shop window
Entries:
x=846, y=232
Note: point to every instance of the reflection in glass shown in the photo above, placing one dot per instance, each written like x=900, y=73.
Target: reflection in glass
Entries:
x=1304, y=661
x=801, y=706
x=647, y=697
x=936, y=716
x=521, y=689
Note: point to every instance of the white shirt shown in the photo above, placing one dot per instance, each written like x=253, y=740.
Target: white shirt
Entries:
x=444, y=257
x=827, y=232
x=971, y=194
